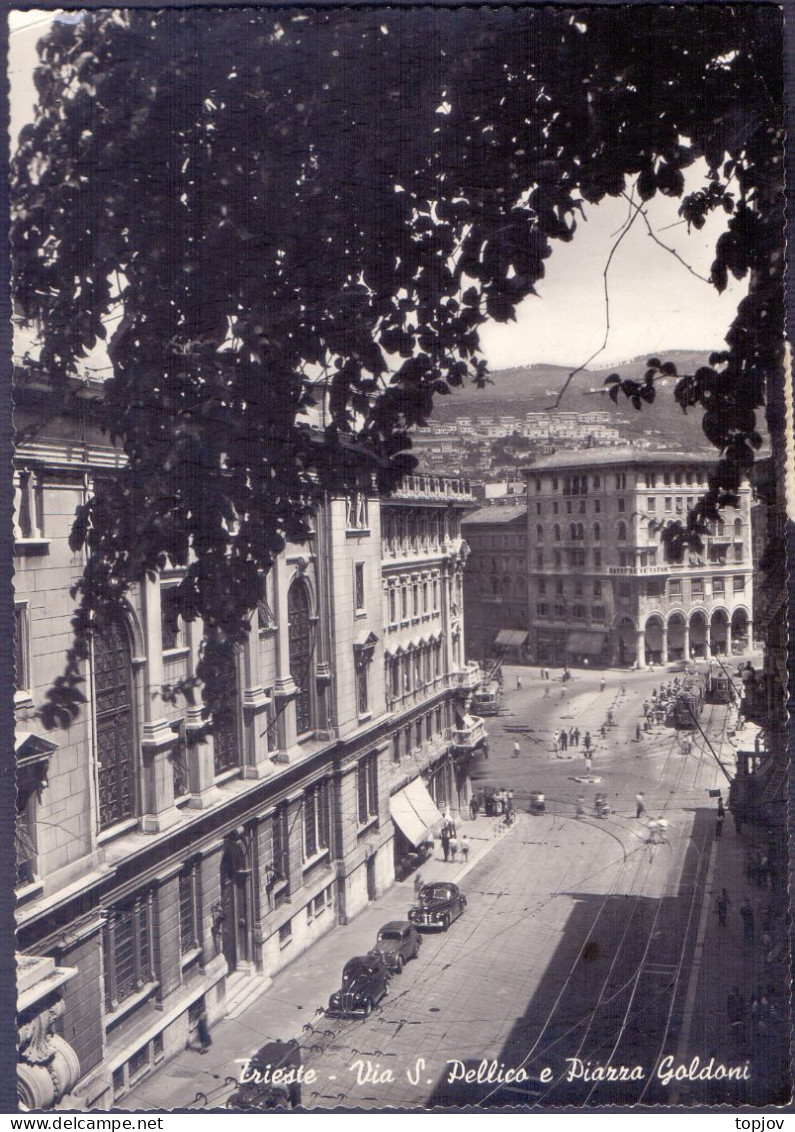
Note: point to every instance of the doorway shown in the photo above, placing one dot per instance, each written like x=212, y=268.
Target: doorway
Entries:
x=235, y=878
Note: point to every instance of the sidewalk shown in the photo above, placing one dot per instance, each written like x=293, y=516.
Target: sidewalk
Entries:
x=723, y=960
x=291, y=1000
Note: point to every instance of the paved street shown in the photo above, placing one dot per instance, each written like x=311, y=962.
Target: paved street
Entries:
x=583, y=942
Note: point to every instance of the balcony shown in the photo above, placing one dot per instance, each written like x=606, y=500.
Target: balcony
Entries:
x=464, y=740
x=469, y=678
x=436, y=488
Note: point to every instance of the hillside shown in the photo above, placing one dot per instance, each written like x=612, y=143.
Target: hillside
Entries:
x=534, y=388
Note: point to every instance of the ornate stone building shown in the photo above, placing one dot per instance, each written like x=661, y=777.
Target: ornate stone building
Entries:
x=160, y=876
x=603, y=588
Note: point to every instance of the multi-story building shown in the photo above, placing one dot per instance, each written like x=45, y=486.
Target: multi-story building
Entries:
x=163, y=872
x=603, y=587
x=495, y=579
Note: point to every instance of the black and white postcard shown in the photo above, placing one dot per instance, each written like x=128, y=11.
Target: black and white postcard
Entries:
x=402, y=427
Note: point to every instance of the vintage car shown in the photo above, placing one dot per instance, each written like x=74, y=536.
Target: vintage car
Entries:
x=398, y=941
x=365, y=981
x=270, y=1079
x=439, y=904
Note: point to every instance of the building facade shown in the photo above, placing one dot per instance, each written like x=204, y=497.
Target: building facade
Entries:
x=495, y=580
x=163, y=873
x=604, y=589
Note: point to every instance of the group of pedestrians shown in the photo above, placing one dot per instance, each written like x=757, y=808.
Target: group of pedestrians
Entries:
x=453, y=844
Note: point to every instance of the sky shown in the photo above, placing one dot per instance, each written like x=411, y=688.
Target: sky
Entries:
x=656, y=304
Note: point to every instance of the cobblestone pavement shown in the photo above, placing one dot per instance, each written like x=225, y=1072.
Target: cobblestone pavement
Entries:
x=582, y=943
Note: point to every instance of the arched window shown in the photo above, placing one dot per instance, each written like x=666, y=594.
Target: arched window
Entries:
x=495, y=585
x=652, y=534
x=738, y=528
x=521, y=584
x=622, y=532
x=597, y=532
x=572, y=531
x=556, y=532
x=300, y=651
x=115, y=725
x=580, y=531
x=506, y=585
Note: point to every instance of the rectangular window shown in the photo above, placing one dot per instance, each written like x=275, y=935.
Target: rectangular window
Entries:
x=286, y=934
x=542, y=585
x=555, y=507
x=418, y=734
x=560, y=609
x=25, y=834
x=679, y=505
x=558, y=561
x=578, y=612
x=738, y=552
x=179, y=762
x=598, y=612
x=624, y=589
x=675, y=589
x=739, y=584
x=415, y=599
x=407, y=738
x=22, y=679
x=396, y=748
x=597, y=589
x=542, y=609
x=392, y=605
x=188, y=910
x=651, y=504
x=362, y=688
x=358, y=586
x=404, y=602
x=170, y=625
x=622, y=504
x=281, y=844
x=424, y=597
x=435, y=594
x=669, y=503
x=429, y=727
x=697, y=588
x=265, y=617
x=367, y=787
x=718, y=587
x=540, y=559
x=127, y=951
x=316, y=821
x=597, y=558
x=597, y=506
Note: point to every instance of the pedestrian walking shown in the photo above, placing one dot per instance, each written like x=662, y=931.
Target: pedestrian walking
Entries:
x=518, y=683
x=418, y=883
x=516, y=749
x=453, y=848
x=588, y=763
x=721, y=809
x=576, y=736
x=203, y=1032
x=722, y=905
x=580, y=807
x=473, y=807
x=564, y=740
x=587, y=741
x=719, y=827
x=463, y=845
x=638, y=733
x=571, y=736
x=747, y=914
x=446, y=843
x=602, y=684
x=640, y=805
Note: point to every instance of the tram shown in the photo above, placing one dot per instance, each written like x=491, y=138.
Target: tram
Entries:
x=719, y=689
x=687, y=706
x=486, y=700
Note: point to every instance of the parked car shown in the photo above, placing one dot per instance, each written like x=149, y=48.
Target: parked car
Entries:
x=398, y=941
x=271, y=1079
x=365, y=981
x=439, y=904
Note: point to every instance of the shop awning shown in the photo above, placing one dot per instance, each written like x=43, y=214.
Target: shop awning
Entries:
x=511, y=638
x=414, y=812
x=589, y=642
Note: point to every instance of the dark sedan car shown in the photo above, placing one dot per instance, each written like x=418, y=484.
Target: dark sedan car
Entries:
x=365, y=981
x=270, y=1079
x=439, y=904
x=398, y=941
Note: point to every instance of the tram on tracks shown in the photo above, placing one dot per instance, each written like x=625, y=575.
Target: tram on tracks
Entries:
x=686, y=708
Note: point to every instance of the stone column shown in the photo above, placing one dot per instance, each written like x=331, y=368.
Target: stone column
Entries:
x=255, y=757
x=158, y=738
x=687, y=640
x=284, y=688
x=641, y=648
x=201, y=752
